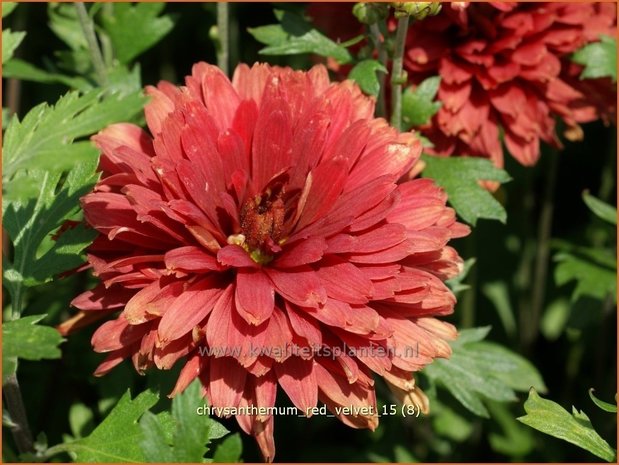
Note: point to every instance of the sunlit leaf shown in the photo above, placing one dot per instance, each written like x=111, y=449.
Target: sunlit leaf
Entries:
x=550, y=418
x=25, y=339
x=610, y=408
x=295, y=35
x=601, y=209
x=599, y=59
x=10, y=41
x=364, y=74
x=418, y=104
x=133, y=29
x=460, y=177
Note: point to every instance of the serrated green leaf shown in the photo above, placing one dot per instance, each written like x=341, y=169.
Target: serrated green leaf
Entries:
x=592, y=278
x=187, y=436
x=7, y=8
x=64, y=23
x=30, y=222
x=118, y=437
x=460, y=177
x=418, y=104
x=601, y=209
x=295, y=35
x=25, y=339
x=43, y=139
x=550, y=418
x=364, y=74
x=599, y=59
x=230, y=449
x=10, y=41
x=610, y=408
x=478, y=371
x=20, y=69
x=133, y=29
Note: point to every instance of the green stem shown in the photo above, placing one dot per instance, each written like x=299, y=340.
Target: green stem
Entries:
x=540, y=273
x=15, y=406
x=397, y=76
x=96, y=56
x=381, y=109
x=223, y=51
x=467, y=308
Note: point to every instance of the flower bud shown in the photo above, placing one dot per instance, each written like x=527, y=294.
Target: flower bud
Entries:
x=416, y=10
x=370, y=13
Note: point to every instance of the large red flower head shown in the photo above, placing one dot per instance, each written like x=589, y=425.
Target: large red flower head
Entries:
x=259, y=234
x=507, y=65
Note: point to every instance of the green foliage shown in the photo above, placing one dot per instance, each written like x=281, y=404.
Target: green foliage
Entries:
x=610, y=408
x=44, y=139
x=117, y=438
x=498, y=293
x=7, y=8
x=10, y=41
x=479, y=370
x=187, y=436
x=295, y=35
x=230, y=450
x=550, y=418
x=418, y=104
x=19, y=69
x=591, y=272
x=599, y=59
x=134, y=29
x=25, y=339
x=30, y=222
x=601, y=209
x=364, y=74
x=460, y=177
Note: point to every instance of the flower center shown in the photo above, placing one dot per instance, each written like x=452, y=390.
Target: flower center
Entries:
x=262, y=225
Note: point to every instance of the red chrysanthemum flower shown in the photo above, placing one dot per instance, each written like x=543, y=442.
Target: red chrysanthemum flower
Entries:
x=507, y=65
x=259, y=235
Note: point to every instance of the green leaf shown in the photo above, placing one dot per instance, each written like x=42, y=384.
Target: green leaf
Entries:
x=28, y=223
x=478, y=370
x=599, y=59
x=456, y=284
x=295, y=35
x=10, y=41
x=43, y=139
x=188, y=438
x=460, y=177
x=20, y=69
x=593, y=278
x=418, y=104
x=550, y=418
x=118, y=437
x=133, y=29
x=25, y=339
x=364, y=74
x=7, y=8
x=64, y=23
x=601, y=209
x=81, y=420
x=515, y=440
x=498, y=293
x=230, y=449
x=610, y=408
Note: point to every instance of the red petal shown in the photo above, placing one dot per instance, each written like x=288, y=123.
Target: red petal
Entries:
x=192, y=259
x=188, y=310
x=227, y=379
x=300, y=286
x=301, y=253
x=254, y=296
x=233, y=255
x=296, y=376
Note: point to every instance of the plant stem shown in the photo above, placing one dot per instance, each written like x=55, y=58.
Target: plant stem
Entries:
x=15, y=406
x=397, y=77
x=543, y=249
x=93, y=46
x=467, y=308
x=381, y=109
x=223, y=51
